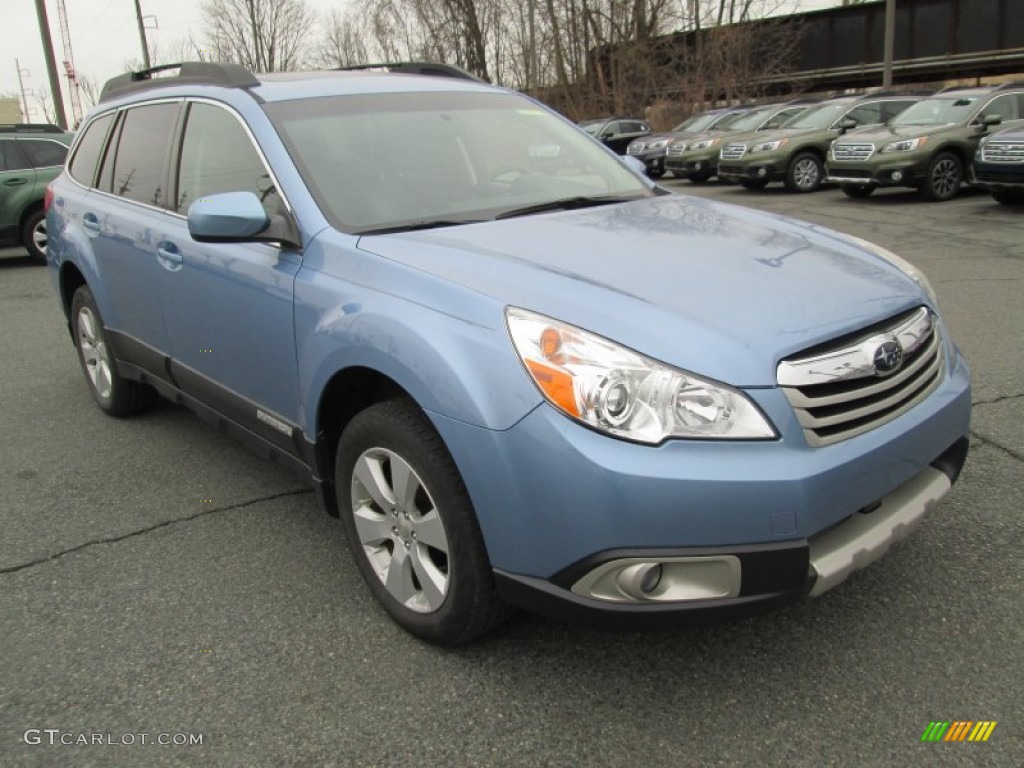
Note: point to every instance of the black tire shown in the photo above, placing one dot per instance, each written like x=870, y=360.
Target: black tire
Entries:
x=396, y=437
x=943, y=179
x=116, y=396
x=754, y=184
x=805, y=173
x=1008, y=196
x=857, y=190
x=33, y=235
x=700, y=178
x=655, y=173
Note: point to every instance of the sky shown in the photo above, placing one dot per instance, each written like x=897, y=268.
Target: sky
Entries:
x=104, y=36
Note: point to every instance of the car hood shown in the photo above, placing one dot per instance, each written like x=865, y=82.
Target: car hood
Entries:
x=713, y=288
x=881, y=134
x=775, y=133
x=648, y=138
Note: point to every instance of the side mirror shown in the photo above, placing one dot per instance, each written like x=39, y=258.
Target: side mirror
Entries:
x=990, y=120
x=847, y=124
x=238, y=217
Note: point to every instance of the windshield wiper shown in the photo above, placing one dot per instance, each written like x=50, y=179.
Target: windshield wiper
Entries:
x=564, y=204
x=413, y=226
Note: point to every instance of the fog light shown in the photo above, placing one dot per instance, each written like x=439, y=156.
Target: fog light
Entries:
x=897, y=176
x=698, y=166
x=762, y=171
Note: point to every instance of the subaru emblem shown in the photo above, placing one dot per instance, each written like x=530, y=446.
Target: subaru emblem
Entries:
x=888, y=358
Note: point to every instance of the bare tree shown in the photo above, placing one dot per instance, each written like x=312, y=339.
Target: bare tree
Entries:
x=342, y=42
x=262, y=35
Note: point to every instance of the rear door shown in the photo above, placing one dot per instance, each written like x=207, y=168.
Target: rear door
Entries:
x=228, y=306
x=17, y=179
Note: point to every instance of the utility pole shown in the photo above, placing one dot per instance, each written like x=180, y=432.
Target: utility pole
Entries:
x=890, y=37
x=142, y=36
x=21, y=87
x=51, y=64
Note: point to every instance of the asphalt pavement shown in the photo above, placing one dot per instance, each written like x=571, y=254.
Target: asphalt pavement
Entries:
x=156, y=578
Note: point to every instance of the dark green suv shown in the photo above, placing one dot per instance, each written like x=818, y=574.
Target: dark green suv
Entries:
x=31, y=156
x=795, y=153
x=927, y=147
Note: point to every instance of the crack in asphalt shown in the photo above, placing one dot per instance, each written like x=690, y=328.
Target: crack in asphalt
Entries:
x=994, y=400
x=150, y=529
x=989, y=441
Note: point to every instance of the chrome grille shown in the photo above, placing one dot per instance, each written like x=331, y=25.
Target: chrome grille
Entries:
x=635, y=148
x=838, y=391
x=1003, y=152
x=852, y=151
x=676, y=149
x=733, y=151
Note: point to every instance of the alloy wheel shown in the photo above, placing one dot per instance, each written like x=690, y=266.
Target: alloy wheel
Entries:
x=945, y=178
x=94, y=353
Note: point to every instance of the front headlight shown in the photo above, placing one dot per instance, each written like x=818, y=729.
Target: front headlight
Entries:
x=705, y=144
x=659, y=144
x=906, y=145
x=769, y=146
x=901, y=264
x=623, y=393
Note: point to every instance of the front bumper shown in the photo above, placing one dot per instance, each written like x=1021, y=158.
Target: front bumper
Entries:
x=704, y=163
x=553, y=497
x=896, y=170
x=653, y=160
x=754, y=168
x=997, y=175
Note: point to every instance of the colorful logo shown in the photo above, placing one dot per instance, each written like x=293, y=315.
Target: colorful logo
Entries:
x=959, y=730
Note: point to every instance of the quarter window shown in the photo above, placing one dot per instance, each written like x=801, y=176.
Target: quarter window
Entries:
x=44, y=154
x=141, y=152
x=217, y=156
x=83, y=164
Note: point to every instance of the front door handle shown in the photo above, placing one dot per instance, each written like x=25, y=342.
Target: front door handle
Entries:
x=168, y=255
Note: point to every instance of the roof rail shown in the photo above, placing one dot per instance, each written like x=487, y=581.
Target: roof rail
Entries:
x=417, y=68
x=30, y=128
x=894, y=92
x=1011, y=84
x=189, y=72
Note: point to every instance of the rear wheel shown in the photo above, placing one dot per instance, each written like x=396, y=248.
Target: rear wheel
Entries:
x=753, y=184
x=117, y=396
x=856, y=190
x=33, y=235
x=943, y=179
x=1009, y=196
x=804, y=173
x=412, y=528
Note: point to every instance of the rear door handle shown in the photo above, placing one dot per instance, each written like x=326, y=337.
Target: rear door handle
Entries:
x=15, y=182
x=91, y=223
x=168, y=255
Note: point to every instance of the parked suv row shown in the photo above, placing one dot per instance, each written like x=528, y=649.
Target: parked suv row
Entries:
x=31, y=156
x=492, y=347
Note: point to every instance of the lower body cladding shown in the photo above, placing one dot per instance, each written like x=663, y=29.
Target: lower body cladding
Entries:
x=592, y=530
x=754, y=172
x=654, y=162
x=699, y=168
x=901, y=174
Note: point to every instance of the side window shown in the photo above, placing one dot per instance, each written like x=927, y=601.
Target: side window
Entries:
x=106, y=178
x=1005, y=106
x=142, y=152
x=83, y=164
x=866, y=114
x=11, y=159
x=613, y=128
x=44, y=154
x=892, y=108
x=217, y=155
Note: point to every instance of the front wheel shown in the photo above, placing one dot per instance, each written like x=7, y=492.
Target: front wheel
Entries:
x=804, y=173
x=856, y=190
x=33, y=235
x=943, y=179
x=115, y=395
x=411, y=526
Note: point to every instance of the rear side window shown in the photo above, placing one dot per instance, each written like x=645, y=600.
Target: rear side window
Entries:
x=866, y=114
x=139, y=168
x=83, y=164
x=10, y=158
x=217, y=156
x=44, y=154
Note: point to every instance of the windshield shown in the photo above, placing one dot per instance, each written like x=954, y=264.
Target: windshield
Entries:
x=697, y=123
x=936, y=112
x=749, y=121
x=817, y=117
x=592, y=126
x=383, y=161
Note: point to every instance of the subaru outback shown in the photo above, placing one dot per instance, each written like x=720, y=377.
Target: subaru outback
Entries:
x=927, y=147
x=31, y=156
x=795, y=152
x=653, y=150
x=520, y=372
x=999, y=166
